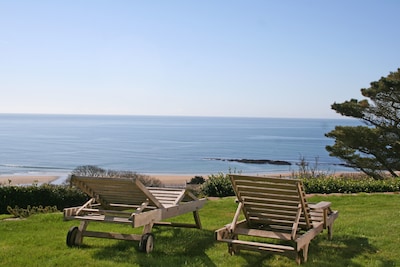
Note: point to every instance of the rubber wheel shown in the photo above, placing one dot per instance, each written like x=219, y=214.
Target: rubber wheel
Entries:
x=71, y=236
x=146, y=243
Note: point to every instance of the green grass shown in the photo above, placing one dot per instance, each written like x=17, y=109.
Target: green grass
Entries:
x=365, y=234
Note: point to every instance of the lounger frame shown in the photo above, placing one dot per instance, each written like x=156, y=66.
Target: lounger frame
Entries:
x=275, y=209
x=128, y=201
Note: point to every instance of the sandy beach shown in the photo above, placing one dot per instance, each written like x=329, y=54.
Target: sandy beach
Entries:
x=26, y=179
x=166, y=179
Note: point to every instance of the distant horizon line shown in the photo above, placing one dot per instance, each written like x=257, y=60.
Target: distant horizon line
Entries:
x=188, y=116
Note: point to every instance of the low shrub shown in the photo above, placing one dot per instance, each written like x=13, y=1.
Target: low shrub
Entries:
x=24, y=213
x=217, y=185
x=197, y=180
x=60, y=196
x=328, y=185
x=95, y=171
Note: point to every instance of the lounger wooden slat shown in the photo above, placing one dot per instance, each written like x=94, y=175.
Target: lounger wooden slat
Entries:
x=128, y=201
x=275, y=208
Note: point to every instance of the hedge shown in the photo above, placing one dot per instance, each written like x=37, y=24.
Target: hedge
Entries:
x=330, y=185
x=60, y=196
x=220, y=186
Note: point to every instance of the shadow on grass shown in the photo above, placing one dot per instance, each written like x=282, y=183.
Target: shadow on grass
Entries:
x=341, y=251
x=172, y=247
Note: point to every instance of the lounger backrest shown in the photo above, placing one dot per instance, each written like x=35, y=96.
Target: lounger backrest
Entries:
x=171, y=196
x=272, y=203
x=122, y=191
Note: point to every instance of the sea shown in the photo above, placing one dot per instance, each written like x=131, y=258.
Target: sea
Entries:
x=57, y=144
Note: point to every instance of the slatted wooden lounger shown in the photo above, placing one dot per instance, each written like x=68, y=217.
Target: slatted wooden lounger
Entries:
x=275, y=209
x=128, y=201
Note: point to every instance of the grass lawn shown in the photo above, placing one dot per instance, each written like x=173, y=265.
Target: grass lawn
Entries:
x=367, y=233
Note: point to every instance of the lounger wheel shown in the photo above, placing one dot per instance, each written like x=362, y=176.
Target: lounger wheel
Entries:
x=71, y=236
x=146, y=243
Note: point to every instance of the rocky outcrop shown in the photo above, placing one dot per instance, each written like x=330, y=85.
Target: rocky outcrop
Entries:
x=256, y=161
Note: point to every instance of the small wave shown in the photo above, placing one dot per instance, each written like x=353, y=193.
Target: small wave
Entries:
x=31, y=167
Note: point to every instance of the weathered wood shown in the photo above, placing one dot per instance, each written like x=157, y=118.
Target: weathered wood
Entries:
x=259, y=245
x=275, y=208
x=183, y=208
x=128, y=201
x=175, y=224
x=243, y=229
x=109, y=235
x=102, y=218
x=236, y=217
x=196, y=217
x=87, y=204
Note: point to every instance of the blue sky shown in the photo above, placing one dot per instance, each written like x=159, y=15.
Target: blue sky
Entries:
x=193, y=58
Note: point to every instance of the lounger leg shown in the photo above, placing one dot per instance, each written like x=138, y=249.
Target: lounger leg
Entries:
x=298, y=258
x=330, y=232
x=196, y=217
x=79, y=236
x=147, y=228
x=302, y=254
x=233, y=249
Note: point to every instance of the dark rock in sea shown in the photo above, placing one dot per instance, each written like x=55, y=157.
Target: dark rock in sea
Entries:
x=256, y=161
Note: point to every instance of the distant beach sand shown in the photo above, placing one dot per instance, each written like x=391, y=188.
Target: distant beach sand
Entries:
x=166, y=179
x=26, y=179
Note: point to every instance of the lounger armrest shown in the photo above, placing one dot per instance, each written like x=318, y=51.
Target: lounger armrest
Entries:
x=320, y=205
x=141, y=219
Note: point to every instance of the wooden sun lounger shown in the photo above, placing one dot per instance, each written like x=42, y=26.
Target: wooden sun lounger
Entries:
x=128, y=201
x=275, y=209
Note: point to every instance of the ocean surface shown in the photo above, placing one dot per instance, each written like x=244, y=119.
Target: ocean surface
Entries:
x=56, y=144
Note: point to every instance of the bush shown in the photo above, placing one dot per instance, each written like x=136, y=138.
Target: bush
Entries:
x=94, y=171
x=60, y=196
x=218, y=185
x=330, y=185
x=24, y=213
x=197, y=180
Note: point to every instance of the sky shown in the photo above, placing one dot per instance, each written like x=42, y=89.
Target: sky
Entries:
x=286, y=58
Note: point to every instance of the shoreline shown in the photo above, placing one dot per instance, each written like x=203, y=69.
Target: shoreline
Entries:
x=165, y=178
x=27, y=179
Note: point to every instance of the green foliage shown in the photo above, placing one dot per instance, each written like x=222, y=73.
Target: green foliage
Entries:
x=95, y=171
x=375, y=147
x=60, y=196
x=195, y=184
x=328, y=185
x=197, y=180
x=218, y=185
x=23, y=213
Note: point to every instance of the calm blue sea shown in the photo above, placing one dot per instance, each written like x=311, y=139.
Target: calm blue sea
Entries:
x=38, y=144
